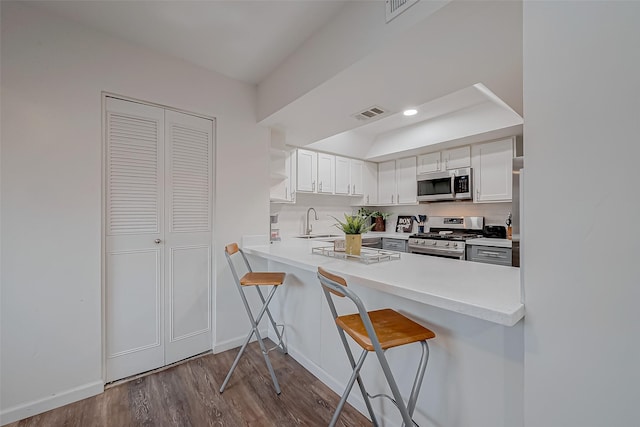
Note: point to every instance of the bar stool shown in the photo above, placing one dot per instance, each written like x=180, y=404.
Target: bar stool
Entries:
x=376, y=331
x=256, y=279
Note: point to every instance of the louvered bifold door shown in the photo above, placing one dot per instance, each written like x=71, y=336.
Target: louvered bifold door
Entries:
x=189, y=200
x=134, y=162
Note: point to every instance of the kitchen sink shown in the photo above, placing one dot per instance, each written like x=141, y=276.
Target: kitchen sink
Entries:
x=318, y=236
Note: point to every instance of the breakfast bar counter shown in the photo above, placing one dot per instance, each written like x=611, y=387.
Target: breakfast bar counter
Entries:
x=475, y=371
x=483, y=291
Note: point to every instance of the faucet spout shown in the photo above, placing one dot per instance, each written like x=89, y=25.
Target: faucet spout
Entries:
x=308, y=227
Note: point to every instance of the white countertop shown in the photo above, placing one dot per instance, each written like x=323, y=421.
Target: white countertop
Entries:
x=485, y=241
x=484, y=291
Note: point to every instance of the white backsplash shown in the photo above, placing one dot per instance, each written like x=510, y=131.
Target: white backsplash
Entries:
x=291, y=217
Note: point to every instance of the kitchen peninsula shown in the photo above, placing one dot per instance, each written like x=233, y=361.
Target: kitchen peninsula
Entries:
x=476, y=366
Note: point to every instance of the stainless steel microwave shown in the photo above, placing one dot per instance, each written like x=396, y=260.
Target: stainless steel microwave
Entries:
x=453, y=184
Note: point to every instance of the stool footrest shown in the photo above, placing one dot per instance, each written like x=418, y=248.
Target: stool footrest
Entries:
x=280, y=343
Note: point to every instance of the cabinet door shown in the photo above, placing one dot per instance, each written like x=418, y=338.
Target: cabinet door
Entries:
x=406, y=180
x=281, y=189
x=343, y=183
x=492, y=165
x=370, y=183
x=387, y=182
x=457, y=158
x=356, y=171
x=306, y=170
x=326, y=173
x=429, y=163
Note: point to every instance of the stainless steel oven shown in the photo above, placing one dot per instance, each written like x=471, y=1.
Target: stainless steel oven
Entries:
x=453, y=184
x=446, y=236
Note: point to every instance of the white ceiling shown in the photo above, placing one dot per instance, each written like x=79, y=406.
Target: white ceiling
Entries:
x=241, y=39
x=434, y=63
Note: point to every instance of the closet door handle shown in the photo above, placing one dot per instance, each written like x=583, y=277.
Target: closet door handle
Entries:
x=157, y=241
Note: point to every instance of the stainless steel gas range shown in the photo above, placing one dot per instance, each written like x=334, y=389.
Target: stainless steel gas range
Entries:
x=447, y=236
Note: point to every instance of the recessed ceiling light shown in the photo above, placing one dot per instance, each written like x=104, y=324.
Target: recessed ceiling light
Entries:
x=410, y=112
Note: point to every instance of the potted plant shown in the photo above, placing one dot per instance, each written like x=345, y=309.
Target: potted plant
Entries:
x=353, y=227
x=379, y=220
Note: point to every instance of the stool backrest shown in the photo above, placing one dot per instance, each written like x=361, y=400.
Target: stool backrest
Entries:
x=332, y=277
x=230, y=250
x=336, y=285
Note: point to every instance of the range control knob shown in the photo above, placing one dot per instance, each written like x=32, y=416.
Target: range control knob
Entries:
x=455, y=245
x=446, y=244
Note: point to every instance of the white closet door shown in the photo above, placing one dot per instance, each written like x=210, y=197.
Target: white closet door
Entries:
x=134, y=223
x=188, y=180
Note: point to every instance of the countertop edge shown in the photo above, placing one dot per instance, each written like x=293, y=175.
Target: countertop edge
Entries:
x=508, y=317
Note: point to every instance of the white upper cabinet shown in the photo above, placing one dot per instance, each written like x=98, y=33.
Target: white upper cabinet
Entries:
x=492, y=169
x=387, y=182
x=306, y=165
x=356, y=174
x=282, y=189
x=454, y=158
x=457, y=158
x=343, y=175
x=397, y=181
x=428, y=163
x=406, y=180
x=369, y=183
x=326, y=173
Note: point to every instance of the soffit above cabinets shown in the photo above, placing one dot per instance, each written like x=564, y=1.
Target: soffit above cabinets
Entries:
x=466, y=116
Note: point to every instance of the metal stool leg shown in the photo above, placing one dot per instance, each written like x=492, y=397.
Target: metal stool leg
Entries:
x=254, y=330
x=406, y=417
x=355, y=374
x=352, y=362
x=422, y=367
x=281, y=343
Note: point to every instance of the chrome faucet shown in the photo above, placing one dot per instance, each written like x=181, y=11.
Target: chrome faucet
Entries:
x=308, y=227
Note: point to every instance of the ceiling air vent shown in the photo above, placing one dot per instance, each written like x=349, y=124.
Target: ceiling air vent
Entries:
x=394, y=8
x=369, y=113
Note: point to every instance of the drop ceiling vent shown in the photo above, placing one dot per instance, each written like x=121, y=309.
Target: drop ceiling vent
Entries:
x=394, y=8
x=370, y=113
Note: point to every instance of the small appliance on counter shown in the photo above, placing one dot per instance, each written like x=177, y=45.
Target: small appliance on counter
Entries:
x=494, y=231
x=274, y=233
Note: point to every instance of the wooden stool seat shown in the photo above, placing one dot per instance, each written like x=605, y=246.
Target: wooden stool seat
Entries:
x=392, y=328
x=262, y=279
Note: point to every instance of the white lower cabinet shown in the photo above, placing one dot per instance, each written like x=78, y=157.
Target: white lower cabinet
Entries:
x=492, y=168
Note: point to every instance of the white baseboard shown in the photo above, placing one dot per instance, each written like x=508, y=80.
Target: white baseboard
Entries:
x=220, y=347
x=39, y=406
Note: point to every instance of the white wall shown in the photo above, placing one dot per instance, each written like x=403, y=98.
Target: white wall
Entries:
x=581, y=106
x=53, y=72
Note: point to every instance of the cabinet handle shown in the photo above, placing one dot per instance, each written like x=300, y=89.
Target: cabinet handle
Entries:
x=398, y=198
x=348, y=188
x=286, y=192
x=353, y=189
x=157, y=241
x=477, y=194
x=367, y=199
x=438, y=164
x=313, y=186
x=320, y=185
x=392, y=198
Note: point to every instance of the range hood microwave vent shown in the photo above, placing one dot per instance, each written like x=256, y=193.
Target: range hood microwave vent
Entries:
x=394, y=8
x=370, y=113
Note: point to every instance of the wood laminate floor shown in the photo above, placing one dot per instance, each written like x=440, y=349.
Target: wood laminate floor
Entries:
x=187, y=395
